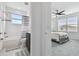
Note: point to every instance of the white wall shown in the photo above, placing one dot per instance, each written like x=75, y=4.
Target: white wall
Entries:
x=13, y=30
x=41, y=38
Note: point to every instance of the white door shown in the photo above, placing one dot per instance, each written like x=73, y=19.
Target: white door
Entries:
x=41, y=20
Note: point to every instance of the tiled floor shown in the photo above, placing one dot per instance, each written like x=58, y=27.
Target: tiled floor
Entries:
x=16, y=52
x=71, y=48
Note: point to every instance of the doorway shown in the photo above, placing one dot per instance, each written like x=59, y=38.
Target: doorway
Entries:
x=15, y=27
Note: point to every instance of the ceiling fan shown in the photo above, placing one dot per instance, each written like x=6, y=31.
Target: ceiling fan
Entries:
x=57, y=12
x=26, y=3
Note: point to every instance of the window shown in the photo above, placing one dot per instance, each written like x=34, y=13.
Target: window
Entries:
x=69, y=24
x=72, y=24
x=16, y=19
x=62, y=24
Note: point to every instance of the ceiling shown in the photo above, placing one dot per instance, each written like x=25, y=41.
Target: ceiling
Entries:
x=21, y=6
x=18, y=5
x=69, y=7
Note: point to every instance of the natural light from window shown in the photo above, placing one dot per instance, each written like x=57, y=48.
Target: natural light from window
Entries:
x=69, y=24
x=16, y=19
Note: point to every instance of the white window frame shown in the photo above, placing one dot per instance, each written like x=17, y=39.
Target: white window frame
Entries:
x=16, y=19
x=68, y=24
